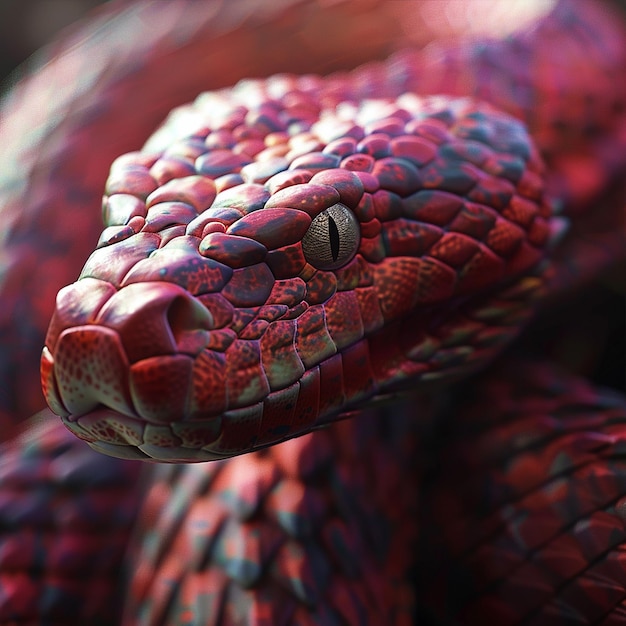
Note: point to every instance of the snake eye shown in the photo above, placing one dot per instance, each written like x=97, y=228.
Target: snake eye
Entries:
x=332, y=239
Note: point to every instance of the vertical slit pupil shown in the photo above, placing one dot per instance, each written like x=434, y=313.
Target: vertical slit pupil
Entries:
x=333, y=233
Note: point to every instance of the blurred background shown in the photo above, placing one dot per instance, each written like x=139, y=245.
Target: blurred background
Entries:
x=26, y=25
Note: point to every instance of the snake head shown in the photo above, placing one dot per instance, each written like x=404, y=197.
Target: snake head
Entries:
x=268, y=267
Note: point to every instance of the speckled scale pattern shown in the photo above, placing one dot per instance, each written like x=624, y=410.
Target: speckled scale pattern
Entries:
x=287, y=535
x=523, y=522
x=161, y=359
x=66, y=516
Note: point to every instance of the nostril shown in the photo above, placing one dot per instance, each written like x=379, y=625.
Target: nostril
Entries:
x=187, y=325
x=155, y=319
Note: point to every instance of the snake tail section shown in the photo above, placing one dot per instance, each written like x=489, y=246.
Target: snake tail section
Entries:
x=281, y=253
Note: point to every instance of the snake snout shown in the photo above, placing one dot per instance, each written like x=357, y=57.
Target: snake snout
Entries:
x=129, y=353
x=156, y=319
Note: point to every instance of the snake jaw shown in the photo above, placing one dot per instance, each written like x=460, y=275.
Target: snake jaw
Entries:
x=260, y=297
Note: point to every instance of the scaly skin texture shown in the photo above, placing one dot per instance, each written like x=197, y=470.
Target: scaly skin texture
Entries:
x=66, y=517
x=523, y=522
x=288, y=535
x=585, y=136
x=207, y=324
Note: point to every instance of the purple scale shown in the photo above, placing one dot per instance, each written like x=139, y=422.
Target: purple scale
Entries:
x=391, y=127
x=433, y=206
x=365, y=210
x=342, y=147
x=254, y=330
x=131, y=179
x=249, y=286
x=272, y=227
x=113, y=234
x=190, y=148
x=247, y=197
x=166, y=214
x=320, y=287
x=272, y=312
x=250, y=148
x=186, y=268
x=265, y=120
x=347, y=184
x=221, y=139
x=310, y=198
x=286, y=262
x=231, y=250
x=377, y=146
x=198, y=191
x=358, y=162
x=170, y=167
x=289, y=292
x=113, y=262
x=222, y=183
x=397, y=175
x=287, y=179
x=472, y=151
x=315, y=162
x=418, y=150
x=220, y=308
x=220, y=162
x=332, y=130
x=452, y=177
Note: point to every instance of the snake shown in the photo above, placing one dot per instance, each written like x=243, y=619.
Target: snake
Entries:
x=296, y=314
